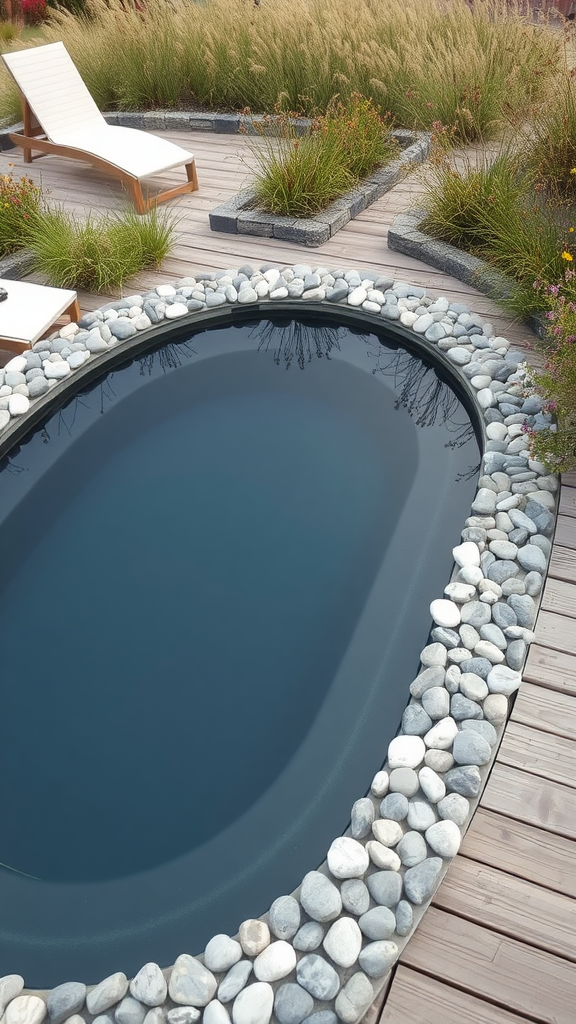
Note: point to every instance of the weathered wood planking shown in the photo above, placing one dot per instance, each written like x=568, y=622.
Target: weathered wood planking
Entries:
x=522, y=850
x=562, y=563
x=510, y=905
x=567, y=504
x=569, y=479
x=565, y=531
x=529, y=798
x=540, y=753
x=416, y=998
x=502, y=970
x=557, y=631
x=545, y=709
x=550, y=668
x=560, y=597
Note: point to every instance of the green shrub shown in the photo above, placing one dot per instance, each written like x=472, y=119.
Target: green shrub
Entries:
x=297, y=177
x=100, y=253
x=19, y=201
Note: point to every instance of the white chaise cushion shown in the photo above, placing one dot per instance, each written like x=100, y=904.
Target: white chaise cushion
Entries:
x=130, y=149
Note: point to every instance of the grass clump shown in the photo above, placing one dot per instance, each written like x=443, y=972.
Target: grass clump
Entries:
x=439, y=60
x=297, y=177
x=19, y=202
x=100, y=253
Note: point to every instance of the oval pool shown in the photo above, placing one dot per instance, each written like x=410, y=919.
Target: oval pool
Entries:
x=217, y=567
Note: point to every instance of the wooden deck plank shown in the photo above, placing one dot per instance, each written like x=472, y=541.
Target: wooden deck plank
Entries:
x=510, y=906
x=540, y=753
x=533, y=800
x=544, y=709
x=567, y=505
x=557, y=631
x=562, y=563
x=552, y=669
x=501, y=970
x=522, y=850
x=565, y=532
x=560, y=597
x=415, y=998
x=569, y=479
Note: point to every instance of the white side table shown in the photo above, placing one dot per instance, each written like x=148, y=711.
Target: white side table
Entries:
x=30, y=310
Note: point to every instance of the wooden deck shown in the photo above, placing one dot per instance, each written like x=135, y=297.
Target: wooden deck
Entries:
x=499, y=944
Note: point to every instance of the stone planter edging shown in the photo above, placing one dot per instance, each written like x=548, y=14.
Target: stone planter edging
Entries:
x=240, y=215
x=321, y=954
x=405, y=236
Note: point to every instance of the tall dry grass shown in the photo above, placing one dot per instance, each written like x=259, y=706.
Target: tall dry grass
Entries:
x=429, y=61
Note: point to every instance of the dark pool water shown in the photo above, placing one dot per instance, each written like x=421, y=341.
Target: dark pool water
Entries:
x=216, y=571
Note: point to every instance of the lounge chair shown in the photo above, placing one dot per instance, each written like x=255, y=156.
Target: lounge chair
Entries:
x=61, y=117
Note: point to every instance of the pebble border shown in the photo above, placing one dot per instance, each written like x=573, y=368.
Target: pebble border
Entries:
x=240, y=214
x=321, y=955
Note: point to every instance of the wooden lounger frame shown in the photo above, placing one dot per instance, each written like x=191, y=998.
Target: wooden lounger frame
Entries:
x=34, y=138
x=14, y=345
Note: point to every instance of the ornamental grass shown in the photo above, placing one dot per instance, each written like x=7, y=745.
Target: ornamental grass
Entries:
x=100, y=253
x=19, y=202
x=438, y=60
x=298, y=176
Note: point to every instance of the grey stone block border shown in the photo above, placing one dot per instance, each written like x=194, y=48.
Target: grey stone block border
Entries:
x=321, y=954
x=240, y=215
x=405, y=235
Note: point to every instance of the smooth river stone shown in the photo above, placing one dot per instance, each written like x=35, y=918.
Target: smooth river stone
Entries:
x=343, y=942
x=320, y=897
x=347, y=858
x=442, y=734
x=317, y=976
x=377, y=958
x=466, y=554
x=383, y=856
x=254, y=936
x=420, y=881
x=395, y=806
x=403, y=781
x=354, y=999
x=11, y=986
x=222, y=953
x=445, y=613
x=432, y=785
x=411, y=849
x=387, y=832
x=406, y=752
x=275, y=962
x=25, y=1010
x=292, y=1004
x=284, y=917
x=355, y=896
x=444, y=838
x=385, y=887
x=502, y=679
x=234, y=981
x=215, y=1013
x=465, y=780
x=378, y=923
x=182, y=1015
x=65, y=1000
x=254, y=1004
x=310, y=935
x=191, y=984
x=404, y=918
x=420, y=815
x=362, y=817
x=454, y=808
x=107, y=993
x=130, y=1011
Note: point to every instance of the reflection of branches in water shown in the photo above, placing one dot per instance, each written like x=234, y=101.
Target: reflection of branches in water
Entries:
x=296, y=341
x=426, y=398
x=169, y=358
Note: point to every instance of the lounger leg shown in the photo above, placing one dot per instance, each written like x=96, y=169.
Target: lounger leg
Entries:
x=136, y=189
x=192, y=175
x=73, y=311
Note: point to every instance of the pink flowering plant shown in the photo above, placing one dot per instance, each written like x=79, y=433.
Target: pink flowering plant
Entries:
x=19, y=202
x=555, y=444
